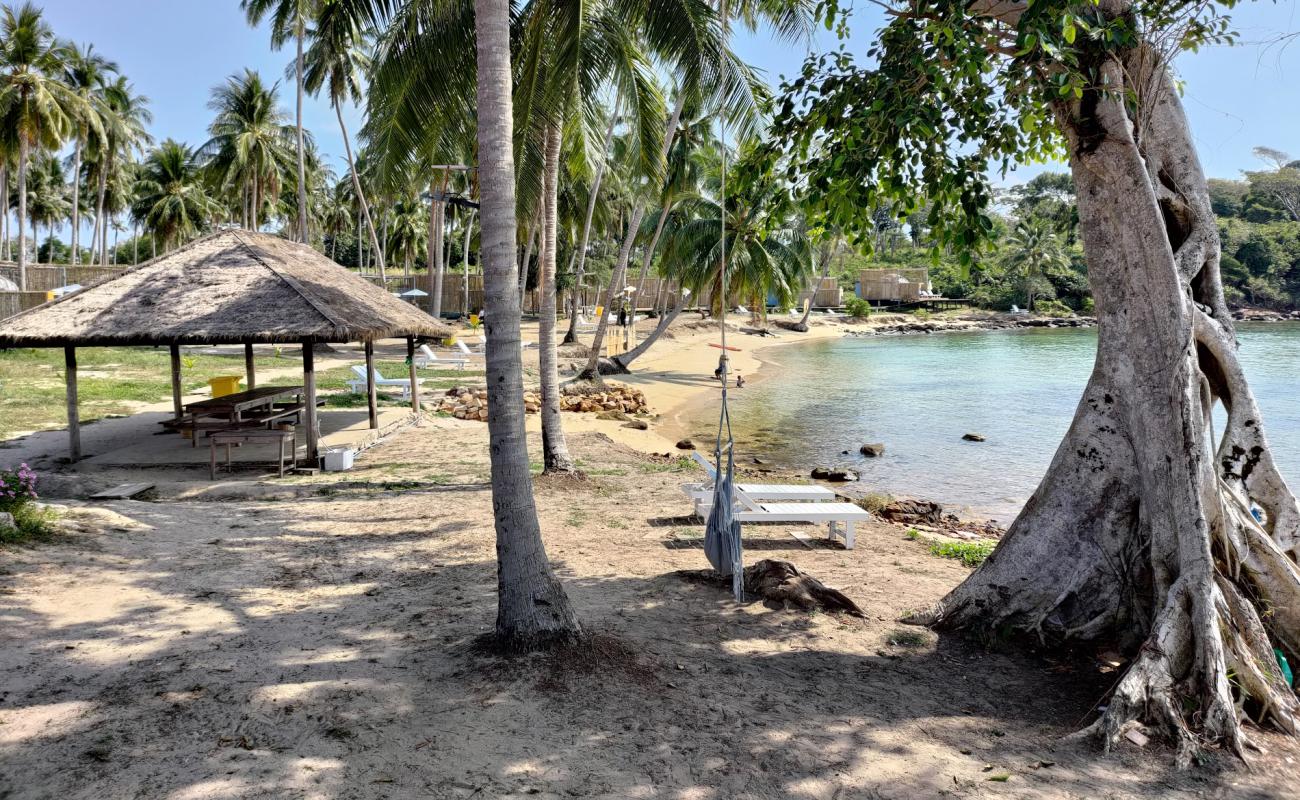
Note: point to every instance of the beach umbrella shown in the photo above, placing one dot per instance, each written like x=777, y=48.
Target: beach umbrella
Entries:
x=414, y=293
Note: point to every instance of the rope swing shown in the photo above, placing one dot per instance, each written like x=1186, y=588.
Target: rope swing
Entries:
x=722, y=542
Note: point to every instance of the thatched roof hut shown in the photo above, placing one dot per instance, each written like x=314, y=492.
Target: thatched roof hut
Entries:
x=230, y=287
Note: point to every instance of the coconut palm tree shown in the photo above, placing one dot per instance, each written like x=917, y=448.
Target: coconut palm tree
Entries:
x=407, y=233
x=337, y=61
x=767, y=253
x=47, y=195
x=532, y=607
x=1031, y=251
x=172, y=200
x=86, y=73
x=289, y=19
x=121, y=136
x=251, y=141
x=37, y=110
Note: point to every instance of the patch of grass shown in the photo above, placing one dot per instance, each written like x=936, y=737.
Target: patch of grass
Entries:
x=875, y=502
x=913, y=534
x=577, y=518
x=901, y=637
x=683, y=464
x=110, y=381
x=32, y=523
x=972, y=554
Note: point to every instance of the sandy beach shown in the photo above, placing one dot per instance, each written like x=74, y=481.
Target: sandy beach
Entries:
x=313, y=637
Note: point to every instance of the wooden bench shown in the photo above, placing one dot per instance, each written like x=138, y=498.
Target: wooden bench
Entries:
x=252, y=421
x=232, y=436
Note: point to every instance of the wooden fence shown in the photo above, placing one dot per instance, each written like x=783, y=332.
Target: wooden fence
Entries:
x=826, y=293
x=13, y=302
x=43, y=277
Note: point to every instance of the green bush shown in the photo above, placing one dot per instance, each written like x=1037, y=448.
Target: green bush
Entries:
x=1053, y=308
x=857, y=307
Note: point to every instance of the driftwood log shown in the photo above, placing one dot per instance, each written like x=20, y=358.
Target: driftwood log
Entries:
x=782, y=583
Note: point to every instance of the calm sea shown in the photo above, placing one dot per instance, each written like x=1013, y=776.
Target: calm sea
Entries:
x=919, y=394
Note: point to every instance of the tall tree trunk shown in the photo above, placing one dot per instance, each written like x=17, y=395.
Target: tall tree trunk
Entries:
x=302, y=153
x=591, y=372
x=76, y=199
x=437, y=226
x=825, y=272
x=101, y=235
x=22, y=214
x=532, y=608
x=555, y=448
x=1141, y=532
x=533, y=232
x=356, y=187
x=572, y=335
x=135, y=243
x=4, y=220
x=464, y=262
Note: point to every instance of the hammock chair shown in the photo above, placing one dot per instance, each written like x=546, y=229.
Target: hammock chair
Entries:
x=722, y=542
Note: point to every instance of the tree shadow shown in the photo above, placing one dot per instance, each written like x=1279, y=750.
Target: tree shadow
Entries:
x=241, y=650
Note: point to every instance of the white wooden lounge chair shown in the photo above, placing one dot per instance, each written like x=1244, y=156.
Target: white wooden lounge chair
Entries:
x=756, y=491
x=426, y=358
x=358, y=384
x=464, y=350
x=840, y=518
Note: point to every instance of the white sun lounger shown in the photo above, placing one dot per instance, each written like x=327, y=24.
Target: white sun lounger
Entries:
x=464, y=350
x=358, y=384
x=426, y=358
x=840, y=518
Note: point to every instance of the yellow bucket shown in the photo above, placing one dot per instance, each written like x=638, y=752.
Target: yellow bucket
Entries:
x=223, y=385
x=473, y=320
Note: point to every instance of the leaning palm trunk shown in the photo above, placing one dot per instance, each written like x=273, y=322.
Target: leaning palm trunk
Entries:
x=591, y=372
x=572, y=335
x=1142, y=531
x=356, y=187
x=624, y=360
x=650, y=249
x=532, y=608
x=528, y=254
x=555, y=448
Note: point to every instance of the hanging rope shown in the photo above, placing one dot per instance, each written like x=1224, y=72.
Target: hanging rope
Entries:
x=722, y=541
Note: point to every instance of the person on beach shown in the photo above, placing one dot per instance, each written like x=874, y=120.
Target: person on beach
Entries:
x=740, y=382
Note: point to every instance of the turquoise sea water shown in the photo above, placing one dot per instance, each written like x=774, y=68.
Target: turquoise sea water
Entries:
x=919, y=394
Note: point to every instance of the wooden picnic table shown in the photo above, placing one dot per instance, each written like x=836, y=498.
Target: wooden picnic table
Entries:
x=234, y=405
x=254, y=408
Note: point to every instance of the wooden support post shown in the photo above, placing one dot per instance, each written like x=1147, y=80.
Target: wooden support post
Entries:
x=250, y=368
x=309, y=389
x=74, y=417
x=177, y=408
x=415, y=388
x=372, y=399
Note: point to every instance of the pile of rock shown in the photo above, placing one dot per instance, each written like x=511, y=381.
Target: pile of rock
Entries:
x=614, y=397
x=464, y=402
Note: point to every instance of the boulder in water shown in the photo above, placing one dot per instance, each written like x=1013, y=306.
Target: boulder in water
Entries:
x=873, y=450
x=911, y=512
x=973, y=437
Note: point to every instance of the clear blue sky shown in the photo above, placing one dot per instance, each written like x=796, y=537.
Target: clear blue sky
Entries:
x=175, y=51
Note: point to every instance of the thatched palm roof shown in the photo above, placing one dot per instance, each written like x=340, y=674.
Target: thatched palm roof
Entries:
x=229, y=287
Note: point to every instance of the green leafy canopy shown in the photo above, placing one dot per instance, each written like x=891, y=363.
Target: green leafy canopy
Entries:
x=954, y=90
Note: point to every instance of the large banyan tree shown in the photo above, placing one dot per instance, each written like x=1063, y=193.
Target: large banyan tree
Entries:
x=1152, y=530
